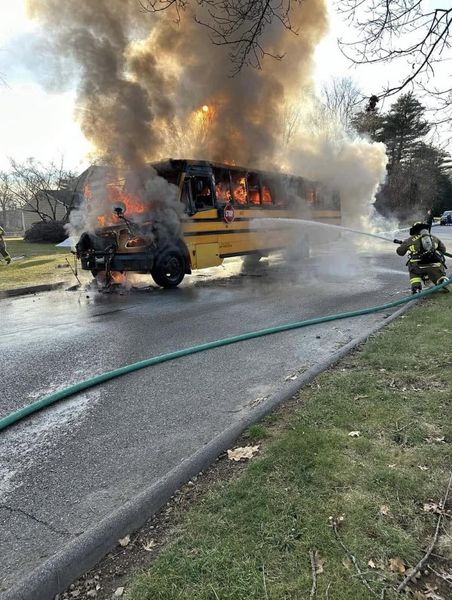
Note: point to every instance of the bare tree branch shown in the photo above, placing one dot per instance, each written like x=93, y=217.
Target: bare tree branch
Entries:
x=239, y=24
x=341, y=98
x=7, y=201
x=405, y=30
x=46, y=190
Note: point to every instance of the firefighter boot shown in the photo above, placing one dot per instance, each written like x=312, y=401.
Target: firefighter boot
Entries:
x=416, y=288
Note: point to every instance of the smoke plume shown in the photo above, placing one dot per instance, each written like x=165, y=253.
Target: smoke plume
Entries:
x=143, y=80
x=143, y=77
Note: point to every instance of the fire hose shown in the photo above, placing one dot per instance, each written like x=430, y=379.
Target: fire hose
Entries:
x=50, y=399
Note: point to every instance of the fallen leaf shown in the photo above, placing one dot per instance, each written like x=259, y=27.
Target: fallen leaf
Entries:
x=354, y=434
x=291, y=378
x=257, y=401
x=392, y=466
x=422, y=468
x=396, y=565
x=435, y=440
x=385, y=510
x=347, y=563
x=125, y=541
x=150, y=545
x=118, y=592
x=244, y=452
x=336, y=521
x=360, y=397
x=431, y=507
x=371, y=564
x=418, y=595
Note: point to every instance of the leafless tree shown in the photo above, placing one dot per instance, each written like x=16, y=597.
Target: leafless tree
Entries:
x=341, y=98
x=7, y=200
x=411, y=32
x=239, y=24
x=291, y=118
x=44, y=188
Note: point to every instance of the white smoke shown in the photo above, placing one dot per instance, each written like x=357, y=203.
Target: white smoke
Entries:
x=323, y=151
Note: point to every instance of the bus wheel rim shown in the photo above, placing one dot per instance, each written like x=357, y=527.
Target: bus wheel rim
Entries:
x=172, y=267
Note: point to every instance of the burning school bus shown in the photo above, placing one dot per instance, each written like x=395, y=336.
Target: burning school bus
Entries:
x=224, y=211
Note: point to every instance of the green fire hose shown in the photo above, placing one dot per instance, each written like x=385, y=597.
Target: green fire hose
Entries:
x=46, y=401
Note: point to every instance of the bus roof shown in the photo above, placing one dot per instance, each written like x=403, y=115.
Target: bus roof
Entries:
x=181, y=163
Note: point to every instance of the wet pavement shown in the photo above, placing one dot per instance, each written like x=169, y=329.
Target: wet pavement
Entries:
x=63, y=470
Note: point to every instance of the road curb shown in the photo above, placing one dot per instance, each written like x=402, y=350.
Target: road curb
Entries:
x=81, y=554
x=34, y=289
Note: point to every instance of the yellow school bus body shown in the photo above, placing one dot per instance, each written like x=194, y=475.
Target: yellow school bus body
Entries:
x=210, y=240
x=263, y=205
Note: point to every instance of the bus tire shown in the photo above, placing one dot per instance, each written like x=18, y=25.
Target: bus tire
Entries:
x=169, y=268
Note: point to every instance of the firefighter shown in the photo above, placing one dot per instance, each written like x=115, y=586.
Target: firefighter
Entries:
x=426, y=257
x=3, y=251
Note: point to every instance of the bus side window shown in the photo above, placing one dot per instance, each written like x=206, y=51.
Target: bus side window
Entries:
x=253, y=189
x=201, y=192
x=222, y=186
x=238, y=181
x=267, y=194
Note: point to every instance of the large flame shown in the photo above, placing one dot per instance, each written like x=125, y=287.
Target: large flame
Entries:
x=133, y=205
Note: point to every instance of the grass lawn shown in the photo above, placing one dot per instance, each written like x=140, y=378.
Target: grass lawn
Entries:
x=39, y=264
x=368, y=446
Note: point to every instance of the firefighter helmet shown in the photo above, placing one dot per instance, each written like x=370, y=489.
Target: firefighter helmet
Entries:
x=418, y=227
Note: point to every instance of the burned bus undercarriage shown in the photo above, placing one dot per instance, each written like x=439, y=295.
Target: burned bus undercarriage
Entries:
x=167, y=262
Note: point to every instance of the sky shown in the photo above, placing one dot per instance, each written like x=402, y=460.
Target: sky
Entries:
x=35, y=122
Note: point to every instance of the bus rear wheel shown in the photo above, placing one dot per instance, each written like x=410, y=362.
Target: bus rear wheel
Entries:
x=169, y=269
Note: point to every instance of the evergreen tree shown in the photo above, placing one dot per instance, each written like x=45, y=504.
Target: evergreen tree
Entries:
x=369, y=121
x=417, y=175
x=404, y=128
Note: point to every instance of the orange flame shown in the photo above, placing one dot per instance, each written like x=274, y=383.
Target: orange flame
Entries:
x=223, y=192
x=118, y=278
x=266, y=195
x=133, y=205
x=240, y=191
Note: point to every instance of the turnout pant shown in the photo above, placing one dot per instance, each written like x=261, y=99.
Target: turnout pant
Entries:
x=419, y=272
x=4, y=252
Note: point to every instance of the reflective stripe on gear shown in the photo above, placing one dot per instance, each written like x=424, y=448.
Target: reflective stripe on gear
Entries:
x=414, y=280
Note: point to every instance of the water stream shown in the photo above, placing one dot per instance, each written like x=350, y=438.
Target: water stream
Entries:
x=319, y=224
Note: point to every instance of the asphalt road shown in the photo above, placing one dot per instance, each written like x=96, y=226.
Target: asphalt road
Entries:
x=63, y=470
